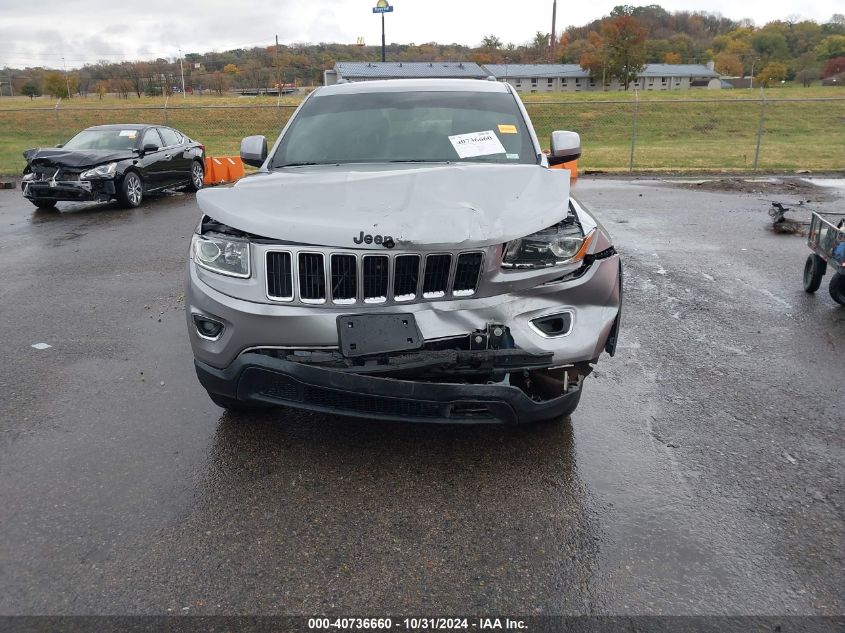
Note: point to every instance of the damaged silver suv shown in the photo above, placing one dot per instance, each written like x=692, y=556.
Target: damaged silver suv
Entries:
x=403, y=252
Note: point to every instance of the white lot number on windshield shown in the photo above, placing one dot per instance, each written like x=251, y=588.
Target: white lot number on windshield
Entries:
x=477, y=144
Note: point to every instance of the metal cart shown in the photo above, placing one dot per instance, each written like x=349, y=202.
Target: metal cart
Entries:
x=827, y=241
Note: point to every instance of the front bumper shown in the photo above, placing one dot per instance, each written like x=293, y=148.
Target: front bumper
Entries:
x=240, y=363
x=260, y=379
x=71, y=190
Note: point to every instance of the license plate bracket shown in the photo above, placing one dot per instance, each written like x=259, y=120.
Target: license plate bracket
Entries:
x=366, y=334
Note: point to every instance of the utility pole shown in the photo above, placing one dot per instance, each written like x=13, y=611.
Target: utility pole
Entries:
x=751, y=85
x=553, y=42
x=67, y=82
x=278, y=70
x=182, y=72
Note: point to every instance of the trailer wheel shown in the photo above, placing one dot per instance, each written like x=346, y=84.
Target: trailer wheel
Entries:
x=837, y=288
x=814, y=270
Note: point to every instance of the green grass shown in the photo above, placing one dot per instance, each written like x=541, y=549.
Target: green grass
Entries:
x=674, y=131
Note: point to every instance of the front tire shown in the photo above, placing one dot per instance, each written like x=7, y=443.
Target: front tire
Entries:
x=837, y=288
x=197, y=176
x=131, y=191
x=814, y=269
x=44, y=204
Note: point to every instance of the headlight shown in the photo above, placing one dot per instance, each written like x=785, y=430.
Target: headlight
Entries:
x=103, y=171
x=562, y=243
x=222, y=254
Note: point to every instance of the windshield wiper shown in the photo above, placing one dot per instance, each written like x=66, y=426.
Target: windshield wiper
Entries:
x=419, y=160
x=303, y=164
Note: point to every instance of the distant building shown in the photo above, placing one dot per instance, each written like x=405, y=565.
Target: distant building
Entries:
x=572, y=78
x=365, y=71
x=530, y=78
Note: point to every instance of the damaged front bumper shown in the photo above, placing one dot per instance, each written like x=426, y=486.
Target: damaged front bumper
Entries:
x=70, y=190
x=262, y=379
x=291, y=355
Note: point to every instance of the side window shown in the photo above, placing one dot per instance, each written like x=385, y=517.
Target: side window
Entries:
x=170, y=136
x=151, y=137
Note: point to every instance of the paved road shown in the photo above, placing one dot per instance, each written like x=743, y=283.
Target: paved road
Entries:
x=702, y=473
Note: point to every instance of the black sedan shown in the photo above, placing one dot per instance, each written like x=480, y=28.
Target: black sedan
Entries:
x=122, y=161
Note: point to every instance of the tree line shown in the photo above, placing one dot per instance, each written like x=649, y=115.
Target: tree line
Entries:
x=616, y=46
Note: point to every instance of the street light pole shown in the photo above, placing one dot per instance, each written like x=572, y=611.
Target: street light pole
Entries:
x=182, y=72
x=751, y=85
x=382, y=6
x=67, y=82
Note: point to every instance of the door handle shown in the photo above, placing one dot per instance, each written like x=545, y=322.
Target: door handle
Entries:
x=168, y=156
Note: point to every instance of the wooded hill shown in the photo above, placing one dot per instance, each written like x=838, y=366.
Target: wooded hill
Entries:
x=787, y=49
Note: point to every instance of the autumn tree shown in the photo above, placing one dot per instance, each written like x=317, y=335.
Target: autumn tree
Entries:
x=833, y=67
x=831, y=46
x=231, y=69
x=594, y=59
x=219, y=82
x=625, y=40
x=772, y=73
x=728, y=64
x=672, y=58
x=56, y=84
x=101, y=89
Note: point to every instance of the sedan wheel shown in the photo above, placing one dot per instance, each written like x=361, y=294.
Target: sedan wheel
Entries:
x=132, y=191
x=197, y=176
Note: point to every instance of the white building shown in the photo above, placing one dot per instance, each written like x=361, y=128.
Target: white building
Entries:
x=529, y=78
x=533, y=78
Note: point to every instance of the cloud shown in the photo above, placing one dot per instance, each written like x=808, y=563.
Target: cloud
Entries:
x=158, y=28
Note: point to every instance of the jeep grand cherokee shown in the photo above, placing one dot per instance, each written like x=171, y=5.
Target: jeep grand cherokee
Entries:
x=403, y=252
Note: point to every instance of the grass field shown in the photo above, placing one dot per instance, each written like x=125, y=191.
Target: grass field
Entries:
x=690, y=130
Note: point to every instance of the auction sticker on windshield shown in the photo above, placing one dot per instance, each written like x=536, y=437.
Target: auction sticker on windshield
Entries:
x=477, y=144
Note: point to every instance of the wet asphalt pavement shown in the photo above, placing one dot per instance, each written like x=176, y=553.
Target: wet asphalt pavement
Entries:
x=702, y=472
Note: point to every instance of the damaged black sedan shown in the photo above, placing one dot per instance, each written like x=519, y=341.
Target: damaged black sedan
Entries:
x=122, y=162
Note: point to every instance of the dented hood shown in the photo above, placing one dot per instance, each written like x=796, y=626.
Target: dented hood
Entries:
x=59, y=157
x=443, y=206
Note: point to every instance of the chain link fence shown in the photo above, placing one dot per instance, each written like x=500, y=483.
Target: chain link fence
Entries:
x=617, y=135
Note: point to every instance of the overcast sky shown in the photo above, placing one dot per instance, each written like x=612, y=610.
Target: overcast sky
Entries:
x=85, y=31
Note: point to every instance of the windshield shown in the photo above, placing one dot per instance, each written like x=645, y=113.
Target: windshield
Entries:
x=420, y=126
x=115, y=139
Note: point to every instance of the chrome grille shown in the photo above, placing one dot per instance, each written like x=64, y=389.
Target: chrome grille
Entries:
x=436, y=276
x=344, y=278
x=312, y=278
x=349, y=278
x=406, y=277
x=279, y=276
x=466, y=274
x=376, y=277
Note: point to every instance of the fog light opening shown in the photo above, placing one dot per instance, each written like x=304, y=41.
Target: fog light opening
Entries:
x=553, y=325
x=208, y=328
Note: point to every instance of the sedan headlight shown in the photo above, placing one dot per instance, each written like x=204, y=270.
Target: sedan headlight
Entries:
x=103, y=171
x=221, y=254
x=560, y=244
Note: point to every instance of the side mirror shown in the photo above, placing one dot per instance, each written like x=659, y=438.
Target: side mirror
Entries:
x=149, y=148
x=254, y=150
x=60, y=145
x=564, y=146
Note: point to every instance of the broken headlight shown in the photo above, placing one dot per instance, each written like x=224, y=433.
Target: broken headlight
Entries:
x=103, y=171
x=563, y=243
x=221, y=254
